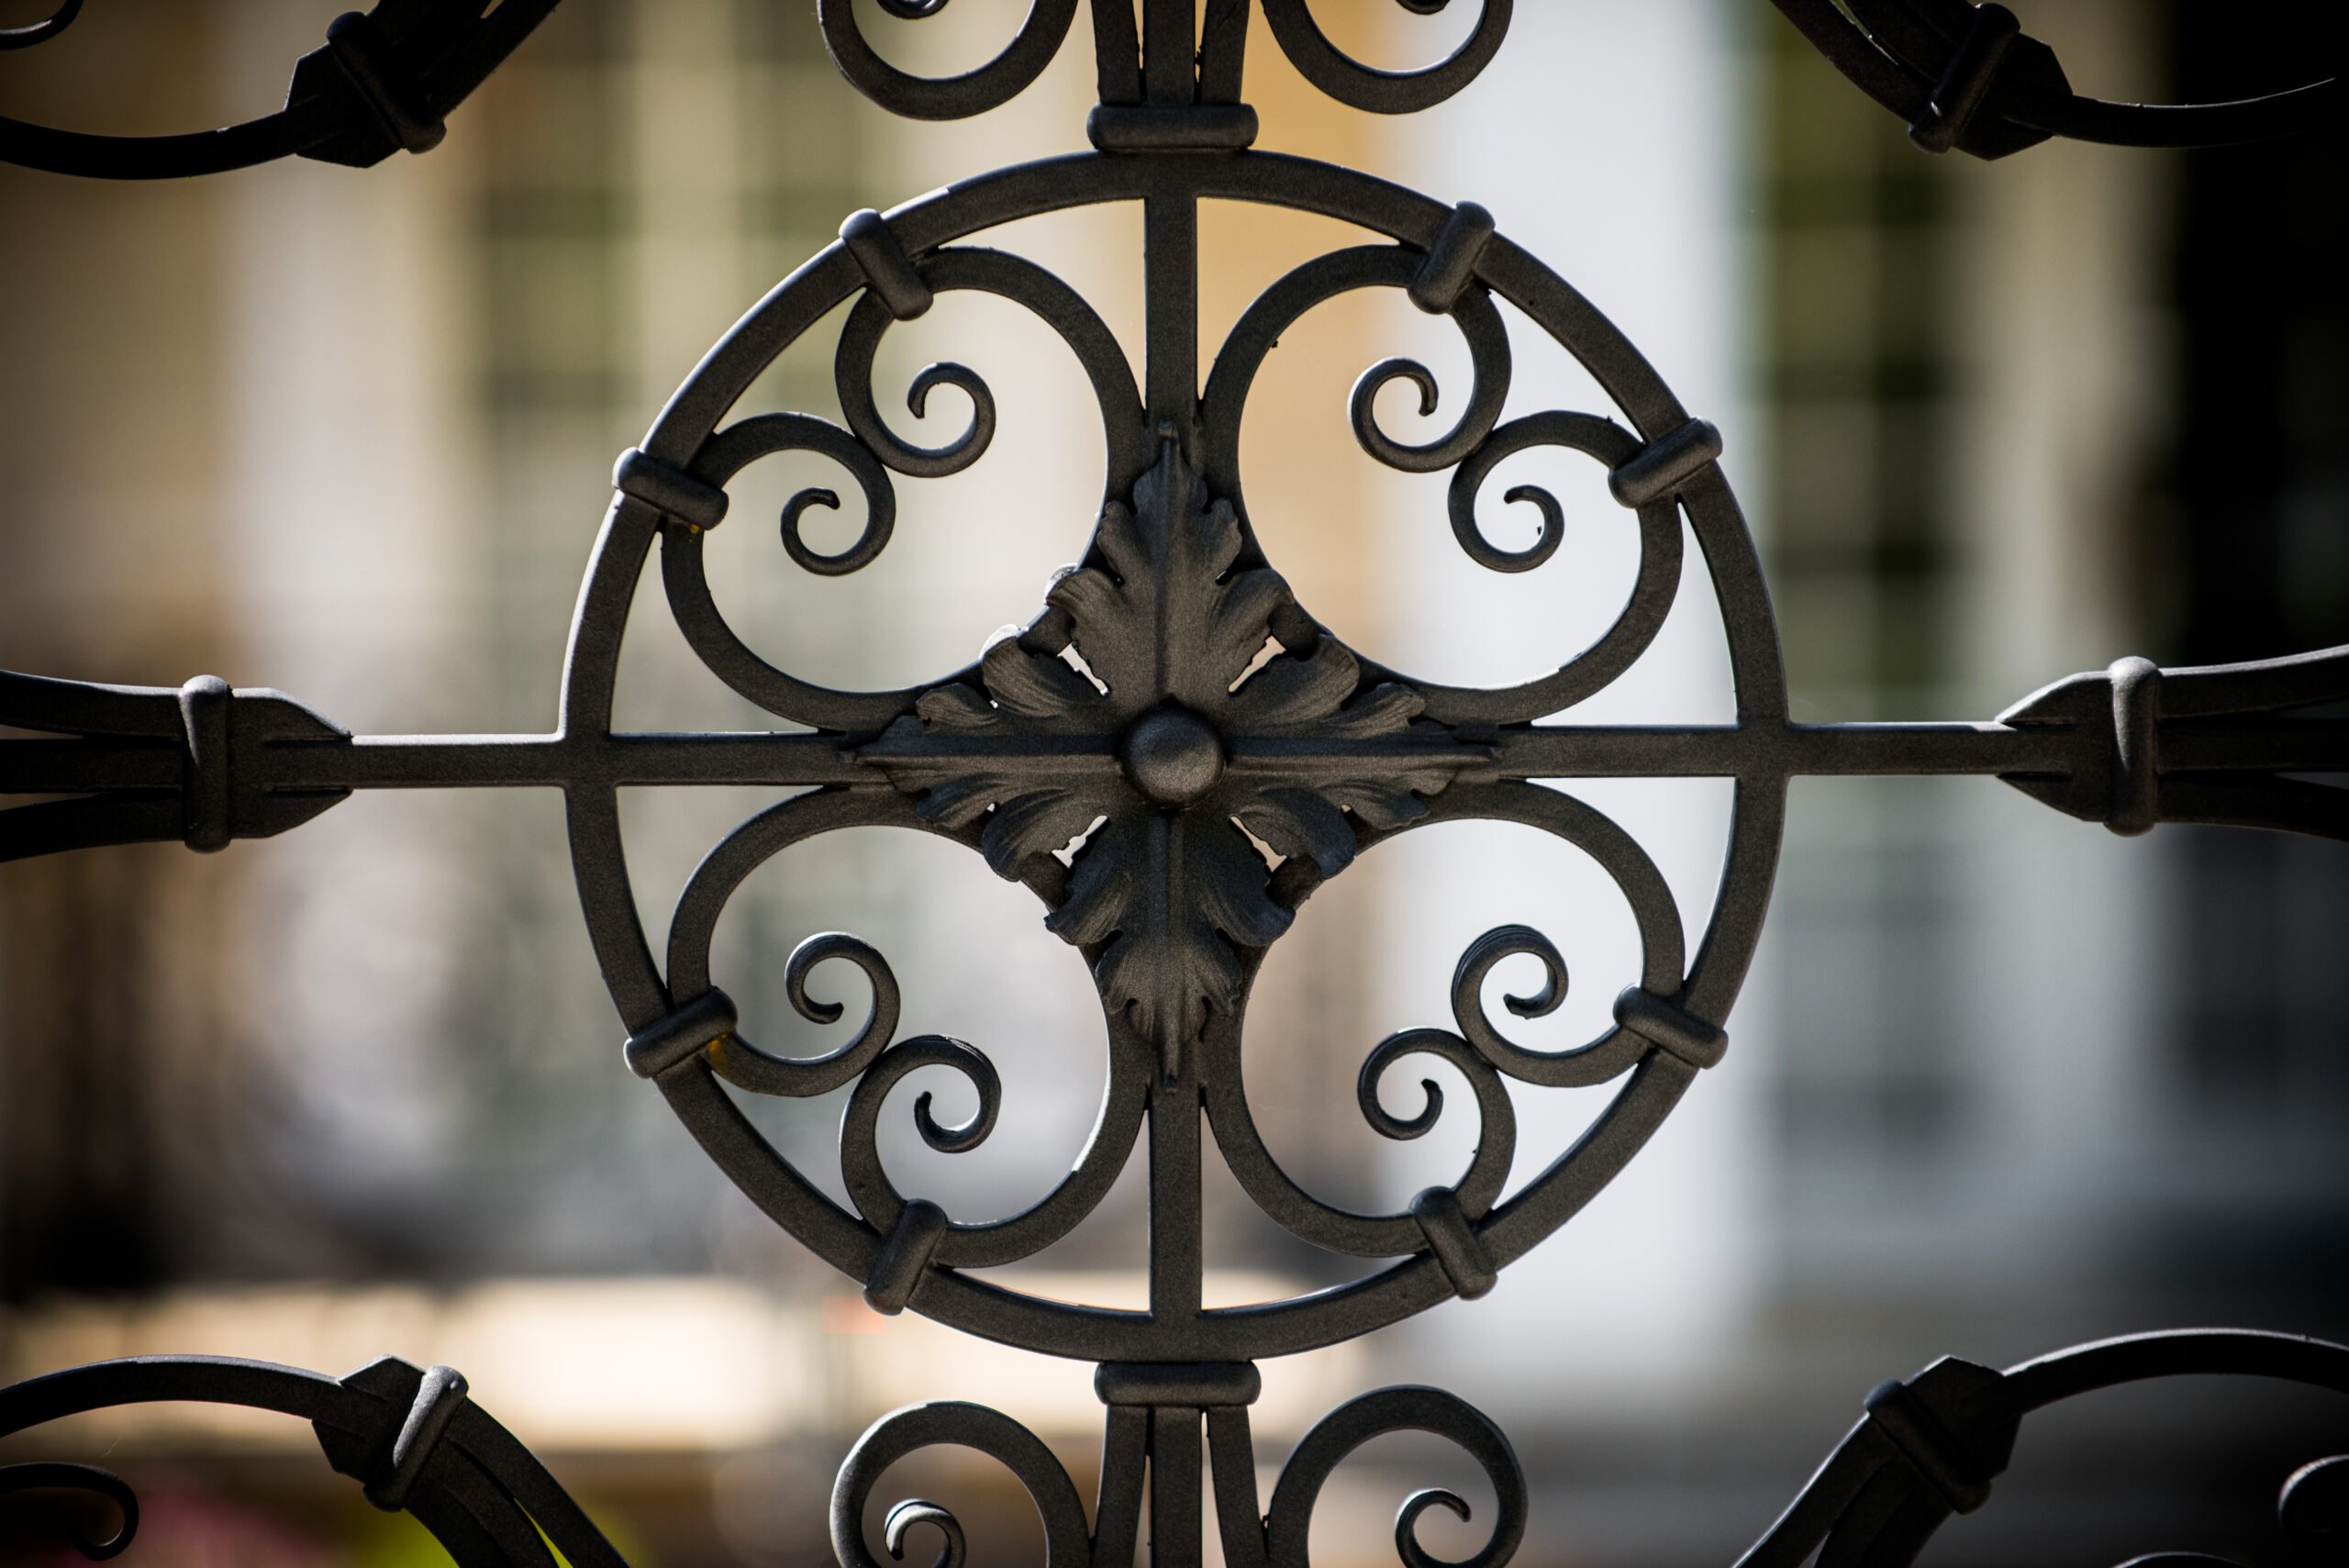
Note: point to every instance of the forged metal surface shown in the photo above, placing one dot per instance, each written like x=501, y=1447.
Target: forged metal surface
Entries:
x=1966, y=76
x=1927, y=1447
x=1173, y=754
x=383, y=83
x=411, y=1437
x=40, y=1477
x=1931, y=1447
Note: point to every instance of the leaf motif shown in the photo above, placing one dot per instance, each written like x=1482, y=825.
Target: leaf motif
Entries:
x=1035, y=823
x=957, y=800
x=1101, y=885
x=1179, y=892
x=949, y=708
x=1155, y=622
x=1380, y=803
x=1172, y=898
x=1032, y=685
x=1239, y=621
x=1298, y=821
x=958, y=789
x=1385, y=710
x=1291, y=693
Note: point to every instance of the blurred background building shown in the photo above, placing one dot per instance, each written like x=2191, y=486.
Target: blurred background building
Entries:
x=2002, y=1082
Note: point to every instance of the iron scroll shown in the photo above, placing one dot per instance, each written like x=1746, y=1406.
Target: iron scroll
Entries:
x=1169, y=704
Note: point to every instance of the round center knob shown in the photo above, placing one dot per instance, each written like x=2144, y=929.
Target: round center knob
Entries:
x=1174, y=756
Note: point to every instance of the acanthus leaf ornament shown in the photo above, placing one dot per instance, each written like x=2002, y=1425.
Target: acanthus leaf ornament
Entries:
x=1134, y=714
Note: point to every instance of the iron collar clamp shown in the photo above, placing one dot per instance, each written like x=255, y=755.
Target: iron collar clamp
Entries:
x=1926, y=1422
x=227, y=791
x=1197, y=1385
x=1171, y=127
x=417, y=1410
x=2213, y=743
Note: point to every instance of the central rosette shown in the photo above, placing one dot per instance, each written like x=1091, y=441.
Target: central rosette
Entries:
x=1173, y=756
x=1138, y=725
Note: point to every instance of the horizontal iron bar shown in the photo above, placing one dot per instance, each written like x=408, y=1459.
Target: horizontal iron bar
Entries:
x=758, y=757
x=2281, y=745
x=1726, y=751
x=438, y=761
x=77, y=767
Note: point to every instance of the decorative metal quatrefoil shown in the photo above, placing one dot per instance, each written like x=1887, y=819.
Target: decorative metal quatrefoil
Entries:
x=1158, y=741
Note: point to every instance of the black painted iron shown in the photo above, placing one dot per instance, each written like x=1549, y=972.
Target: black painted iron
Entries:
x=1171, y=702
x=1968, y=77
x=383, y=82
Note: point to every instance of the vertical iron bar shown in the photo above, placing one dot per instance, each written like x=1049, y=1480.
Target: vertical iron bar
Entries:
x=1239, y=1518
x=1175, y=1490
x=1116, y=1515
x=1223, y=44
x=1168, y=49
x=1176, y=1107
x=1116, y=51
x=1171, y=295
x=1174, y=1253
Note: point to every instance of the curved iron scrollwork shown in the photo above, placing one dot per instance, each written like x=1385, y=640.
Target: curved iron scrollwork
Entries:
x=1173, y=754
x=1966, y=76
x=1929, y=1447
x=47, y=1475
x=383, y=82
x=1143, y=69
x=410, y=1436
x=1362, y=87
x=993, y=84
x=1154, y=1422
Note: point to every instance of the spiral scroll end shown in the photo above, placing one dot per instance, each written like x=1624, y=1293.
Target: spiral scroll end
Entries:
x=855, y=558
x=1403, y=1129
x=42, y=1475
x=981, y=1072
x=1362, y=401
x=1542, y=1002
x=1392, y=1049
x=918, y=1511
x=1484, y=953
x=1545, y=545
x=826, y=945
x=1406, y=1524
x=951, y=1139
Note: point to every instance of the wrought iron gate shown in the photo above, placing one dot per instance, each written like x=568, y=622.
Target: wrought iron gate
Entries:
x=1171, y=692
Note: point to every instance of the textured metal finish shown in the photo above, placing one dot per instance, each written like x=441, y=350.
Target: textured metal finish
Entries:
x=412, y=1439
x=1932, y=1446
x=1966, y=76
x=1173, y=754
x=381, y=83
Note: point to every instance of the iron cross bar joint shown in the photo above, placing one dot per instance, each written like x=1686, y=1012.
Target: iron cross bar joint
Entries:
x=2129, y=746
